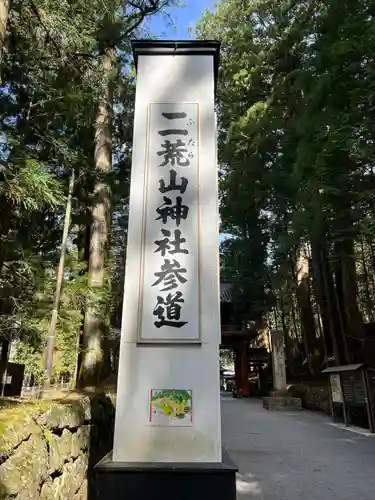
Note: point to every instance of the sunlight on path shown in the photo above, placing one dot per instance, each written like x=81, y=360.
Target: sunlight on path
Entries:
x=290, y=456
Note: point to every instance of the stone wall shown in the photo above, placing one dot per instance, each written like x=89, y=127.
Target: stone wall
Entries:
x=314, y=397
x=48, y=449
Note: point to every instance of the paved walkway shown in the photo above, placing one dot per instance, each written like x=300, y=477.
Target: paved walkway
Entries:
x=290, y=456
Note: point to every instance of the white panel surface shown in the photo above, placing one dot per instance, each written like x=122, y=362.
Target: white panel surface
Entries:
x=169, y=304
x=195, y=369
x=165, y=82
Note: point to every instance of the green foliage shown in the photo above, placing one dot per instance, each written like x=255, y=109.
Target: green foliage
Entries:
x=296, y=151
x=226, y=357
x=30, y=188
x=34, y=322
x=52, y=82
x=178, y=395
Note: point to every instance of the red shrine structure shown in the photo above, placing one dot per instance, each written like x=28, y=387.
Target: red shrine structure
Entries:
x=242, y=339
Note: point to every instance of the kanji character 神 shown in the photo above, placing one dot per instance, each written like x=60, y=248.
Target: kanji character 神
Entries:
x=175, y=212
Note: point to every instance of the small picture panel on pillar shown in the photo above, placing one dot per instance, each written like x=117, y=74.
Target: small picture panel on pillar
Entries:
x=169, y=309
x=171, y=407
x=336, y=388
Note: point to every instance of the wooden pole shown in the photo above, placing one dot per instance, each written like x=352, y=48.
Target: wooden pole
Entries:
x=244, y=371
x=4, y=363
x=4, y=13
x=48, y=363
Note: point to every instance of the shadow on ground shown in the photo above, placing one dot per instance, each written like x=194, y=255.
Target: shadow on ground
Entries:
x=101, y=438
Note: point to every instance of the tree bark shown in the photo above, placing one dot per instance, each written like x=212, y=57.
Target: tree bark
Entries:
x=4, y=13
x=48, y=363
x=368, y=299
x=371, y=247
x=84, y=252
x=5, y=348
x=301, y=274
x=289, y=344
x=95, y=356
x=325, y=295
x=347, y=288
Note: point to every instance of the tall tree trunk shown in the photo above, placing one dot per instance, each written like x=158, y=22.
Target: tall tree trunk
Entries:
x=84, y=252
x=95, y=356
x=48, y=363
x=347, y=288
x=370, y=265
x=325, y=295
x=4, y=357
x=301, y=273
x=289, y=343
x=275, y=315
x=371, y=246
x=299, y=346
x=297, y=327
x=368, y=300
x=4, y=13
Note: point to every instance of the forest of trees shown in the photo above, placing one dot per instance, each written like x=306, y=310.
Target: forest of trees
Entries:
x=295, y=102
x=296, y=109
x=67, y=96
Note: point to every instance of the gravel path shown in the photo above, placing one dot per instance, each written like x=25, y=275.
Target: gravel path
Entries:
x=290, y=456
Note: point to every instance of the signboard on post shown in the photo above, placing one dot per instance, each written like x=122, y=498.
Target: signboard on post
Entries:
x=170, y=249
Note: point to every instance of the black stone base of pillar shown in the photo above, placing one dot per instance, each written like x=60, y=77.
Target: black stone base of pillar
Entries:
x=158, y=481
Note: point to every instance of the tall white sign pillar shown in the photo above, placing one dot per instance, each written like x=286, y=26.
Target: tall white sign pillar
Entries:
x=168, y=397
